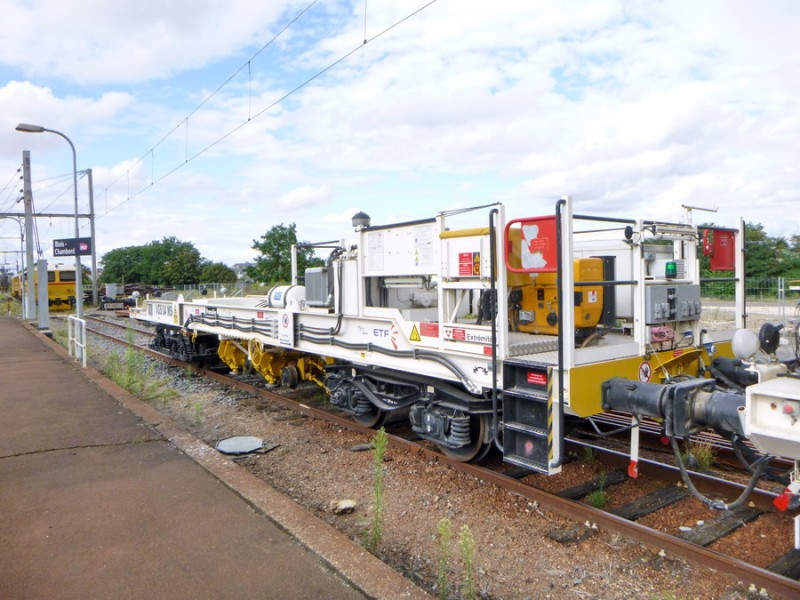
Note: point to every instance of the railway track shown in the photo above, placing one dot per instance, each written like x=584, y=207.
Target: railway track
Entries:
x=651, y=433
x=627, y=519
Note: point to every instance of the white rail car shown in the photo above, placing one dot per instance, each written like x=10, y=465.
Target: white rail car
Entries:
x=488, y=331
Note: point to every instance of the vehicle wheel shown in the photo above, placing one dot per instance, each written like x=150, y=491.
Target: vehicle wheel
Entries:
x=477, y=448
x=374, y=418
x=290, y=377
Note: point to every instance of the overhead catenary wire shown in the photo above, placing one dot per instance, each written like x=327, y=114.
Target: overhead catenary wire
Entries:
x=54, y=180
x=12, y=191
x=36, y=239
x=59, y=196
x=280, y=100
x=185, y=121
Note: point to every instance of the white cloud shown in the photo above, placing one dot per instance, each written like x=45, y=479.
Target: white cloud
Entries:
x=307, y=196
x=87, y=41
x=633, y=108
x=22, y=101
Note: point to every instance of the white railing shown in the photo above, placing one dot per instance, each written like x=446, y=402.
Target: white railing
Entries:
x=77, y=339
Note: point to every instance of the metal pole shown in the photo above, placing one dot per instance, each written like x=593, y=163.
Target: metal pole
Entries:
x=44, y=300
x=22, y=286
x=29, y=307
x=28, y=128
x=78, y=268
x=95, y=299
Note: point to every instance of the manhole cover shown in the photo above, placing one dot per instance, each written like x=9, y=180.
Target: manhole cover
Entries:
x=240, y=444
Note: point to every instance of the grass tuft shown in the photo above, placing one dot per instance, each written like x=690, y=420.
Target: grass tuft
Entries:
x=380, y=442
x=599, y=497
x=130, y=371
x=699, y=456
x=445, y=534
x=467, y=543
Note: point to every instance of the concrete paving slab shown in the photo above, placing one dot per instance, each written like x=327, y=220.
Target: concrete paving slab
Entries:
x=49, y=404
x=103, y=497
x=141, y=521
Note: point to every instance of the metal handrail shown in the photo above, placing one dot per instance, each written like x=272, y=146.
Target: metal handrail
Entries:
x=77, y=339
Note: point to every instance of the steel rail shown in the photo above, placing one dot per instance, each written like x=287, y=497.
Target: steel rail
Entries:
x=575, y=511
x=149, y=332
x=650, y=428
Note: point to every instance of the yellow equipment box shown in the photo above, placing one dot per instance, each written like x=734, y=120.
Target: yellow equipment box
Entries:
x=538, y=308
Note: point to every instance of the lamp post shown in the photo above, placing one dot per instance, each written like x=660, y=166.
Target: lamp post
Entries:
x=27, y=128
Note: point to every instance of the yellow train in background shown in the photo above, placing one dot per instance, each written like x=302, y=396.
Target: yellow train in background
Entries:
x=60, y=286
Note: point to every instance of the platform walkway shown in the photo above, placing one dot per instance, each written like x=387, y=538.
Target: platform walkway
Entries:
x=100, y=497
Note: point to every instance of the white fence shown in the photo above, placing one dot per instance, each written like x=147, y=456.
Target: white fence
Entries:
x=77, y=339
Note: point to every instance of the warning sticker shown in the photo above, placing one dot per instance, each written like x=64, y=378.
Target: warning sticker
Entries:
x=414, y=337
x=536, y=378
x=645, y=371
x=429, y=329
x=469, y=264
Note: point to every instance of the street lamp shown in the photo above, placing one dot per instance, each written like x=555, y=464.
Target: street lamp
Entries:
x=27, y=128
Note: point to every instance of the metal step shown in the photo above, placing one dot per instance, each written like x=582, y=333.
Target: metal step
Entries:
x=527, y=417
x=528, y=393
x=521, y=461
x=523, y=428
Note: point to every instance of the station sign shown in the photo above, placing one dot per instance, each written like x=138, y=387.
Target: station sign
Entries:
x=72, y=246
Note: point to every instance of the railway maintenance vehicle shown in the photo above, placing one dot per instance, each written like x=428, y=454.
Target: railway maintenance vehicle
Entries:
x=60, y=286
x=483, y=330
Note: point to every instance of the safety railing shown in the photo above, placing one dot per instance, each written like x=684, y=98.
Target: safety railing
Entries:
x=77, y=339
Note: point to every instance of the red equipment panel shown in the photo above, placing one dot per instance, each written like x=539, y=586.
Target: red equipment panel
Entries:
x=531, y=247
x=720, y=246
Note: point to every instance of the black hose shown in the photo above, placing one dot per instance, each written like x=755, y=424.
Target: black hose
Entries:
x=415, y=354
x=758, y=470
x=748, y=457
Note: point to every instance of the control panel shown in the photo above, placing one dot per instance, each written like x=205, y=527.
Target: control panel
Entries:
x=667, y=303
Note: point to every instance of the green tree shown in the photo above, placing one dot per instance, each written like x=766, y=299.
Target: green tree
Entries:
x=169, y=261
x=123, y=265
x=760, y=252
x=768, y=256
x=275, y=263
x=182, y=267
x=792, y=258
x=217, y=273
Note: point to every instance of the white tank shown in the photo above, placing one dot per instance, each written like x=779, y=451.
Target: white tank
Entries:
x=287, y=296
x=745, y=344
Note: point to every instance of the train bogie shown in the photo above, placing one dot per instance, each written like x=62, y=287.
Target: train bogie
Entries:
x=275, y=364
x=191, y=348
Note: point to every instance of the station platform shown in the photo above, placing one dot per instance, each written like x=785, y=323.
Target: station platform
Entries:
x=103, y=497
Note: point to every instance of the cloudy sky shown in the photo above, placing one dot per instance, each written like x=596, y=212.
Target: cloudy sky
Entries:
x=213, y=121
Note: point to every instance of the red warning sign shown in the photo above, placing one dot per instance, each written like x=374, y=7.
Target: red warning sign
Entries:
x=645, y=371
x=469, y=264
x=429, y=329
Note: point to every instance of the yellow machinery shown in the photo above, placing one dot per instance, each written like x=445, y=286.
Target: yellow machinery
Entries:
x=60, y=287
x=274, y=364
x=536, y=310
